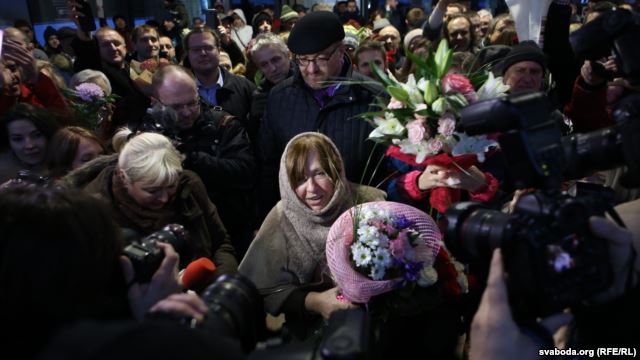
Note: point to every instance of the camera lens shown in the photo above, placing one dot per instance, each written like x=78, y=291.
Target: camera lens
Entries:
x=473, y=232
x=597, y=150
x=235, y=309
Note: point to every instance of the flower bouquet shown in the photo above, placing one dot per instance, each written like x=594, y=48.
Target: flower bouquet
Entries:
x=142, y=73
x=419, y=122
x=91, y=104
x=377, y=247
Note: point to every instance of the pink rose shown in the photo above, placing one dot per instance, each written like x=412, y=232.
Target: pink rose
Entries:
x=456, y=83
x=434, y=145
x=446, y=125
x=416, y=131
x=395, y=104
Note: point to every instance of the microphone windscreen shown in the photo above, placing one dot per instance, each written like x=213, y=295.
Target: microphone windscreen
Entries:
x=198, y=274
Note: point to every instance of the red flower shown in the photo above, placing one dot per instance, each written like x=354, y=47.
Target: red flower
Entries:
x=447, y=274
x=457, y=83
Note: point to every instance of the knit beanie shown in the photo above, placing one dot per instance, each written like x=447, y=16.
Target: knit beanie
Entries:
x=524, y=51
x=48, y=32
x=287, y=14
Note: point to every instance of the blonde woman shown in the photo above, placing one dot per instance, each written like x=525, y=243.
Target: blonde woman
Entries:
x=148, y=189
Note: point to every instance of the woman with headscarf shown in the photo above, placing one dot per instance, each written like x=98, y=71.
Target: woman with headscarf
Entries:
x=286, y=259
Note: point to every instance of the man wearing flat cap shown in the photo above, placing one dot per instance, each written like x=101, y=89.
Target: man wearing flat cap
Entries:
x=324, y=95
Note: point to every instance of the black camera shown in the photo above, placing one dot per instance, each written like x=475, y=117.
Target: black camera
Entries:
x=235, y=310
x=27, y=177
x=536, y=152
x=552, y=259
x=146, y=257
x=160, y=119
x=613, y=32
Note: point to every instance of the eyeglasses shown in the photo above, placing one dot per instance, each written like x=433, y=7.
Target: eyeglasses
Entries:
x=188, y=106
x=318, y=60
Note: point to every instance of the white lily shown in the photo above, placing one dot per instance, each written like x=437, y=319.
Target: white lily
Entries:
x=492, y=88
x=478, y=145
x=420, y=150
x=411, y=87
x=387, y=126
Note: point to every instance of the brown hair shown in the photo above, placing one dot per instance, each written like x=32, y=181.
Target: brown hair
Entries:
x=370, y=45
x=202, y=30
x=143, y=29
x=445, y=28
x=63, y=147
x=299, y=151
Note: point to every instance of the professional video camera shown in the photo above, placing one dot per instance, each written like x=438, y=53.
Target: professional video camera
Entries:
x=162, y=120
x=614, y=32
x=235, y=310
x=552, y=259
x=146, y=257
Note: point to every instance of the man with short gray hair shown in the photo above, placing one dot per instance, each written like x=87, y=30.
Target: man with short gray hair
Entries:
x=271, y=56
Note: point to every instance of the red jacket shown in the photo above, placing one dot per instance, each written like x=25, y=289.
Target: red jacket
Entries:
x=43, y=93
x=588, y=108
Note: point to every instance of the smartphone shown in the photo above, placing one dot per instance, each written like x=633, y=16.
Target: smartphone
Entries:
x=212, y=20
x=88, y=21
x=1, y=42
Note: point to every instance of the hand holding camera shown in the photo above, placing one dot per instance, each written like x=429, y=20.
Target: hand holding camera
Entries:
x=494, y=333
x=163, y=283
x=150, y=267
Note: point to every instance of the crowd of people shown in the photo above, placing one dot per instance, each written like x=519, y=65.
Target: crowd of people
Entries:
x=248, y=132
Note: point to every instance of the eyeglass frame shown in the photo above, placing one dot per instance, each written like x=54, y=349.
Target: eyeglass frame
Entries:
x=305, y=62
x=190, y=106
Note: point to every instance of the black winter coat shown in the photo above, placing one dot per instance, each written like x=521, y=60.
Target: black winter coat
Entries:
x=235, y=97
x=291, y=109
x=259, y=102
x=218, y=150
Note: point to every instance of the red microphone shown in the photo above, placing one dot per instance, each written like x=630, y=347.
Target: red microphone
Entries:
x=198, y=274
